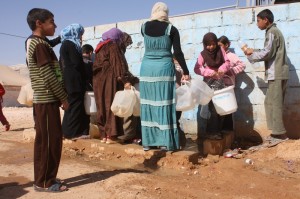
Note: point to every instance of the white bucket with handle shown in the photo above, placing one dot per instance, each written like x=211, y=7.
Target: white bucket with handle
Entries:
x=224, y=100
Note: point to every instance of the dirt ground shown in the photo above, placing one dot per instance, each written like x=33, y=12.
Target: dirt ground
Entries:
x=274, y=174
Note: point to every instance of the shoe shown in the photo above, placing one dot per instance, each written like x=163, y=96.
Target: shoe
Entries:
x=275, y=141
x=272, y=137
x=137, y=141
x=57, y=187
x=146, y=148
x=163, y=148
x=103, y=140
x=112, y=141
x=7, y=127
x=59, y=181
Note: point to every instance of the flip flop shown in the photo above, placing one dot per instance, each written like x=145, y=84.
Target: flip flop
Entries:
x=146, y=148
x=55, y=188
x=258, y=147
x=274, y=141
x=59, y=181
x=163, y=148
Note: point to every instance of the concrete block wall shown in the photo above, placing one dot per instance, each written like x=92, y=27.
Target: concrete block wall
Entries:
x=250, y=88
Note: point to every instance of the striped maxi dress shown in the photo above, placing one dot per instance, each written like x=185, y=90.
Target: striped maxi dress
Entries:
x=157, y=93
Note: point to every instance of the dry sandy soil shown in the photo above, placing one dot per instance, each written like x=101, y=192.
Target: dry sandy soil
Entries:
x=274, y=174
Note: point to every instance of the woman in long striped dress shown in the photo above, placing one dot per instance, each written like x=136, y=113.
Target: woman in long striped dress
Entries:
x=157, y=81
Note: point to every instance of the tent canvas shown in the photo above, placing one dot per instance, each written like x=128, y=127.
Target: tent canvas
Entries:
x=10, y=77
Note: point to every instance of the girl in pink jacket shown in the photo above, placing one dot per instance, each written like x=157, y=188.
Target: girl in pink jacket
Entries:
x=212, y=64
x=236, y=66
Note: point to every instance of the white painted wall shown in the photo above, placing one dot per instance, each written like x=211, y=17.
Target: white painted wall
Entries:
x=235, y=24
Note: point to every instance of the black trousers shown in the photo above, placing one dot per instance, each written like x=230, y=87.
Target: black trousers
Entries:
x=76, y=121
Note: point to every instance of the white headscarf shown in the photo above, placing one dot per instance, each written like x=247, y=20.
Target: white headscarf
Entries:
x=160, y=12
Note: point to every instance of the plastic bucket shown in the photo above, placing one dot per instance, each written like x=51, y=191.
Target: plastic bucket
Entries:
x=224, y=101
x=90, y=103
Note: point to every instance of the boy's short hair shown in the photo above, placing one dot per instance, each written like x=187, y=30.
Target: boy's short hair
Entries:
x=266, y=14
x=37, y=14
x=87, y=48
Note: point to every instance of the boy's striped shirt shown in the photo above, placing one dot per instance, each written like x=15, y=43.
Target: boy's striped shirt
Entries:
x=44, y=70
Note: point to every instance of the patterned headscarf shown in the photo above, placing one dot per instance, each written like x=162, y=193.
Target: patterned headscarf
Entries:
x=113, y=34
x=160, y=12
x=212, y=58
x=73, y=33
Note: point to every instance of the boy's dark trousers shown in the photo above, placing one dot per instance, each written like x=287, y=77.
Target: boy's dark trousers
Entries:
x=274, y=106
x=48, y=143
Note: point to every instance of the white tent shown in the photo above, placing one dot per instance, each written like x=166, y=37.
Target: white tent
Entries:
x=10, y=77
x=12, y=82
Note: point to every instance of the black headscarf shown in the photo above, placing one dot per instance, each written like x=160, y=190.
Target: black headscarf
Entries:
x=213, y=58
x=125, y=41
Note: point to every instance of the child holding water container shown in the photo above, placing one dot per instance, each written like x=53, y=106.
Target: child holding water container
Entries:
x=212, y=64
x=236, y=66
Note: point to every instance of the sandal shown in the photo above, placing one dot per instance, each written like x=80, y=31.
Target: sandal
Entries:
x=275, y=141
x=163, y=148
x=137, y=141
x=112, y=141
x=59, y=181
x=146, y=148
x=57, y=187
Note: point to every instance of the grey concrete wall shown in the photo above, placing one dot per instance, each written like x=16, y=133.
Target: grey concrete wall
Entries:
x=235, y=24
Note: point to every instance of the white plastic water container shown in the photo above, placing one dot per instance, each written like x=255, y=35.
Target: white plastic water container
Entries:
x=90, y=103
x=224, y=101
x=201, y=92
x=184, y=98
x=123, y=103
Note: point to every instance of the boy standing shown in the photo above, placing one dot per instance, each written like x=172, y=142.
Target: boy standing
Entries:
x=87, y=53
x=276, y=72
x=47, y=84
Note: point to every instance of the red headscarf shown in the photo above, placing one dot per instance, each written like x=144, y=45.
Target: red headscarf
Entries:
x=101, y=44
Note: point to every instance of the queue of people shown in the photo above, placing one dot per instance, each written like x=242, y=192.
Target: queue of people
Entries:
x=163, y=65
